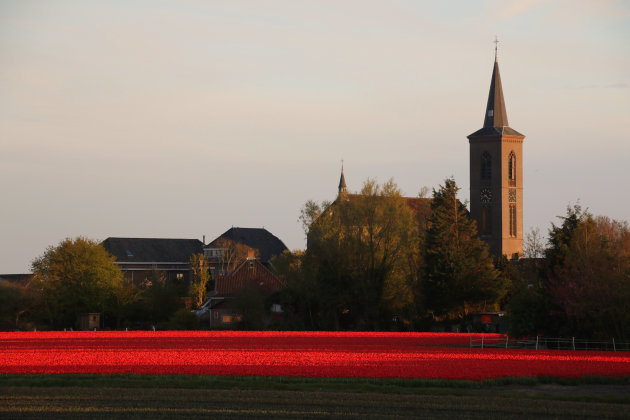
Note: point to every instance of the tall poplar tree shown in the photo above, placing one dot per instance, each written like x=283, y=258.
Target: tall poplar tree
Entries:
x=459, y=275
x=200, y=279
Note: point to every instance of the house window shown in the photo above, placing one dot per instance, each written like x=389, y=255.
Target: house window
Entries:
x=486, y=220
x=486, y=165
x=216, y=315
x=513, y=221
x=180, y=276
x=226, y=319
x=512, y=168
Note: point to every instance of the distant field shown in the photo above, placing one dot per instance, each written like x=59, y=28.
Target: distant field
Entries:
x=297, y=354
x=303, y=399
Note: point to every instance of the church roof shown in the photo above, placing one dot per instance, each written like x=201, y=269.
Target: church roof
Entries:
x=415, y=204
x=495, y=119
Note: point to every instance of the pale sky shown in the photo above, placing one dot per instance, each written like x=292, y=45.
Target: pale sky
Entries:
x=177, y=119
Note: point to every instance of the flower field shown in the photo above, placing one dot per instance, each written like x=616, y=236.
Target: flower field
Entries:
x=312, y=354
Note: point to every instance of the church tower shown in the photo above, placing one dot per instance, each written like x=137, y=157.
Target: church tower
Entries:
x=496, y=176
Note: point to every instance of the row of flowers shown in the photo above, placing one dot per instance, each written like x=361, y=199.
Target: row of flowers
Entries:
x=324, y=354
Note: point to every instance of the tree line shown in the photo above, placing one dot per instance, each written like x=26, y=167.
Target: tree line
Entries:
x=372, y=263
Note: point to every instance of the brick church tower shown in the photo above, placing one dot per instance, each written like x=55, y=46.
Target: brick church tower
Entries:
x=496, y=176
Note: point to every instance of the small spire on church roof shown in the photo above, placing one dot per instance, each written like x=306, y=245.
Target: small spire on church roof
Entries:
x=342, y=182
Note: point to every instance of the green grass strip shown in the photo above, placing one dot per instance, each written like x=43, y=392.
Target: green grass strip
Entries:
x=392, y=385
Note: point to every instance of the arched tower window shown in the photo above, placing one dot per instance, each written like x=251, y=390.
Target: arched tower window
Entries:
x=513, y=220
x=486, y=166
x=512, y=168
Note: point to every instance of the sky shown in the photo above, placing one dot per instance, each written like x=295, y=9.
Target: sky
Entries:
x=179, y=119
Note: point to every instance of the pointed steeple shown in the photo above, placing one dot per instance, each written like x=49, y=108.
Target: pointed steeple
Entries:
x=495, y=119
x=342, y=182
x=496, y=116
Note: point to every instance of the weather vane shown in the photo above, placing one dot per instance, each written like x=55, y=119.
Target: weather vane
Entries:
x=496, y=46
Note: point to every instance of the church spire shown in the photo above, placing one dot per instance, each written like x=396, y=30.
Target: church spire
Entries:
x=342, y=182
x=496, y=116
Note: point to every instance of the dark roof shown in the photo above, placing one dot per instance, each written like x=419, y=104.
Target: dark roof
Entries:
x=152, y=249
x=496, y=131
x=418, y=204
x=261, y=239
x=495, y=121
x=16, y=278
x=250, y=274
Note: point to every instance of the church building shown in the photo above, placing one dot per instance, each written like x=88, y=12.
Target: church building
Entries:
x=496, y=176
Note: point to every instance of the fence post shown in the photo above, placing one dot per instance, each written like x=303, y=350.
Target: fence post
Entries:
x=506, y=341
x=536, y=341
x=470, y=338
x=573, y=343
x=481, y=340
x=614, y=347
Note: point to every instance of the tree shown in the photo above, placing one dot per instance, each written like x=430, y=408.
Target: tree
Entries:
x=232, y=253
x=16, y=301
x=76, y=276
x=161, y=298
x=248, y=306
x=200, y=279
x=125, y=296
x=534, y=246
x=358, y=251
x=591, y=283
x=300, y=298
x=459, y=276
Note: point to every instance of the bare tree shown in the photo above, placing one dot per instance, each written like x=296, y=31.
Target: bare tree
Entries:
x=534, y=244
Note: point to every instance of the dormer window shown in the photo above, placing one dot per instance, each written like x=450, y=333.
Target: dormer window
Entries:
x=491, y=113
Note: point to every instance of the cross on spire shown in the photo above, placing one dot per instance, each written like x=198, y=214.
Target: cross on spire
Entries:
x=496, y=46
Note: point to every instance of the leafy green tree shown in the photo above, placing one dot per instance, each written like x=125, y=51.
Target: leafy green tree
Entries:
x=248, y=306
x=200, y=279
x=527, y=312
x=76, y=276
x=459, y=275
x=161, y=298
x=16, y=303
x=358, y=251
x=124, y=299
x=183, y=319
x=591, y=285
x=300, y=298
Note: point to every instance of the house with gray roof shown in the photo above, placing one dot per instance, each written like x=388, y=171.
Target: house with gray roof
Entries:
x=144, y=259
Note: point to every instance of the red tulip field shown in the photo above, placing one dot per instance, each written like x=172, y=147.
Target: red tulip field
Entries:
x=308, y=354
